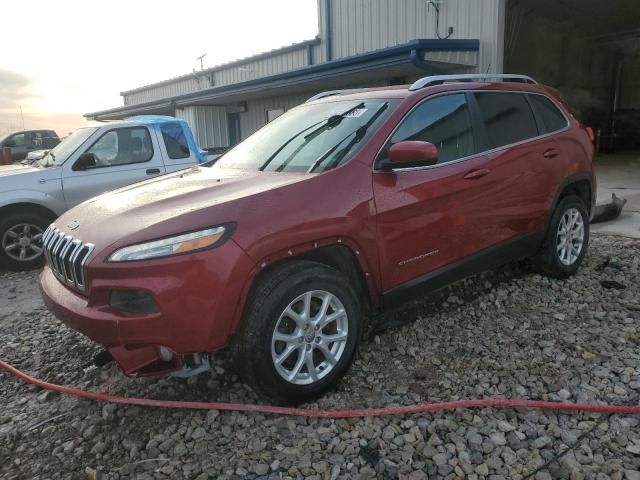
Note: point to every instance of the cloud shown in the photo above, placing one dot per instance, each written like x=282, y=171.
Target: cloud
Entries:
x=15, y=91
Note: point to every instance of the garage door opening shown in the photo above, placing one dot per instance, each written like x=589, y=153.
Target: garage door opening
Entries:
x=589, y=50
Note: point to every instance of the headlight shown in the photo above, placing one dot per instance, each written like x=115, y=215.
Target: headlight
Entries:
x=187, y=242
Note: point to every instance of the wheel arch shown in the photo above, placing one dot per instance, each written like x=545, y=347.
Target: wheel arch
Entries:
x=339, y=254
x=580, y=188
x=28, y=207
x=580, y=185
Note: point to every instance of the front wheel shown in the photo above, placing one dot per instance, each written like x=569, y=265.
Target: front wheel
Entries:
x=21, y=240
x=566, y=240
x=300, y=332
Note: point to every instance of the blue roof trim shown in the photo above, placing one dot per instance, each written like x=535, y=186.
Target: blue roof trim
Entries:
x=159, y=120
x=154, y=119
x=400, y=54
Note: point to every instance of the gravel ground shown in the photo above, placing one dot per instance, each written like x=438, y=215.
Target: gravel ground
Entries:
x=505, y=334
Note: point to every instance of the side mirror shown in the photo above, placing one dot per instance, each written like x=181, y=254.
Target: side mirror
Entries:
x=411, y=153
x=9, y=143
x=85, y=161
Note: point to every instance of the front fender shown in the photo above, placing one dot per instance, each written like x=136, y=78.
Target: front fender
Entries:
x=43, y=199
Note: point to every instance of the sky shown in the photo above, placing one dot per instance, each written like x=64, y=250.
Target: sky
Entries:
x=67, y=57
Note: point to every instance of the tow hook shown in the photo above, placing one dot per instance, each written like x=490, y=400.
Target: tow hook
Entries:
x=102, y=358
x=193, y=365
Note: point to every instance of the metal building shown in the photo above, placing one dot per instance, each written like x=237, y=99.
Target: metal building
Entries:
x=388, y=42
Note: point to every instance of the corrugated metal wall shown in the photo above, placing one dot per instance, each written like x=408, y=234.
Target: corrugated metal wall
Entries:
x=240, y=73
x=360, y=26
x=261, y=68
x=178, y=87
x=209, y=125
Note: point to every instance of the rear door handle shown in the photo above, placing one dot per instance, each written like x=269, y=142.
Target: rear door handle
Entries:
x=551, y=153
x=153, y=171
x=477, y=173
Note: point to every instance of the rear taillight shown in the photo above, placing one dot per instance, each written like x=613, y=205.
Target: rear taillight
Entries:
x=592, y=135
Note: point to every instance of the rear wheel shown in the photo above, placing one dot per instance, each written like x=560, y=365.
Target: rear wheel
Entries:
x=21, y=240
x=300, y=332
x=566, y=240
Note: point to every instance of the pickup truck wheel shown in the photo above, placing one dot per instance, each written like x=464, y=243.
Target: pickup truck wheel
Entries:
x=21, y=240
x=300, y=332
x=566, y=240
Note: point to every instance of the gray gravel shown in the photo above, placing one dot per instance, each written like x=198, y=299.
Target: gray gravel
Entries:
x=505, y=334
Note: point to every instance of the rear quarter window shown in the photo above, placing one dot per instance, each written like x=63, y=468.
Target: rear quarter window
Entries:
x=175, y=141
x=550, y=115
x=507, y=118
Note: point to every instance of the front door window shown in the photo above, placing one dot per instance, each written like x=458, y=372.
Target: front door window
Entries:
x=122, y=146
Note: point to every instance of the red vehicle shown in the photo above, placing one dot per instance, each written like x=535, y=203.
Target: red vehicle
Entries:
x=286, y=247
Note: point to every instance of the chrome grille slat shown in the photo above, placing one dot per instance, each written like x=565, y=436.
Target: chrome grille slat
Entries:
x=57, y=243
x=63, y=255
x=66, y=256
x=72, y=257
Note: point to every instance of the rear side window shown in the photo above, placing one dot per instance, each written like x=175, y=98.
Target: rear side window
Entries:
x=175, y=141
x=507, y=118
x=552, y=118
x=444, y=121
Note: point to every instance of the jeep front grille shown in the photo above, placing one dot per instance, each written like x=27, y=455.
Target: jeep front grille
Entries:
x=66, y=256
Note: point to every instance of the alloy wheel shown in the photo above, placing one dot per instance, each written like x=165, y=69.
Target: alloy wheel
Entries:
x=23, y=242
x=310, y=337
x=570, y=236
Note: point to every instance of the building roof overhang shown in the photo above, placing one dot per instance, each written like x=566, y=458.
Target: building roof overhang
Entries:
x=415, y=57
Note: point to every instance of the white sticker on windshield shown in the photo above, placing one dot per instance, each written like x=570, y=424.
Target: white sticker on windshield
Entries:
x=356, y=113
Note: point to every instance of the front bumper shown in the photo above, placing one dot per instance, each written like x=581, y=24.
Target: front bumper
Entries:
x=198, y=297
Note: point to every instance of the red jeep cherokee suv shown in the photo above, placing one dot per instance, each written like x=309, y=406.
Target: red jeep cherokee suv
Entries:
x=340, y=208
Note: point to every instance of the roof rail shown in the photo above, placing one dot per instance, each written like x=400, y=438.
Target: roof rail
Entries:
x=330, y=93
x=469, y=77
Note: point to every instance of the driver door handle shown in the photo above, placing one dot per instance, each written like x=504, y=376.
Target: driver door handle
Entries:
x=550, y=153
x=153, y=171
x=476, y=173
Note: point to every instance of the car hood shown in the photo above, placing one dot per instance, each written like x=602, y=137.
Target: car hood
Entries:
x=17, y=169
x=196, y=198
x=17, y=176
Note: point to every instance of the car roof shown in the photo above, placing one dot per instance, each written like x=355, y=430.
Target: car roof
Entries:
x=139, y=120
x=436, y=84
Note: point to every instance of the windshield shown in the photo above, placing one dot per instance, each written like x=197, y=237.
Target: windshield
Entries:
x=309, y=138
x=59, y=154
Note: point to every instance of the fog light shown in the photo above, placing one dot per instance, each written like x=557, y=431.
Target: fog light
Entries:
x=133, y=301
x=165, y=354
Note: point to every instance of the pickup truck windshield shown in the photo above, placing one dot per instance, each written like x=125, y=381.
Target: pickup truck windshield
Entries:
x=310, y=138
x=61, y=152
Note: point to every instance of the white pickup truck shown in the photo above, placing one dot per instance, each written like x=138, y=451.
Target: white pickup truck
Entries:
x=90, y=161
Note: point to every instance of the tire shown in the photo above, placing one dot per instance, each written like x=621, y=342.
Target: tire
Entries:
x=31, y=225
x=553, y=260
x=256, y=349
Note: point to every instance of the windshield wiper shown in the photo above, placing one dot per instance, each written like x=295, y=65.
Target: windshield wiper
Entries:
x=284, y=145
x=332, y=121
x=359, y=135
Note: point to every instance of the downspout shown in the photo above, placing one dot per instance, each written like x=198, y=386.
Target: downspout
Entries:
x=326, y=31
x=309, y=54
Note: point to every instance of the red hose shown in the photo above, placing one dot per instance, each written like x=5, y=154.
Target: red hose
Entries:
x=305, y=412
